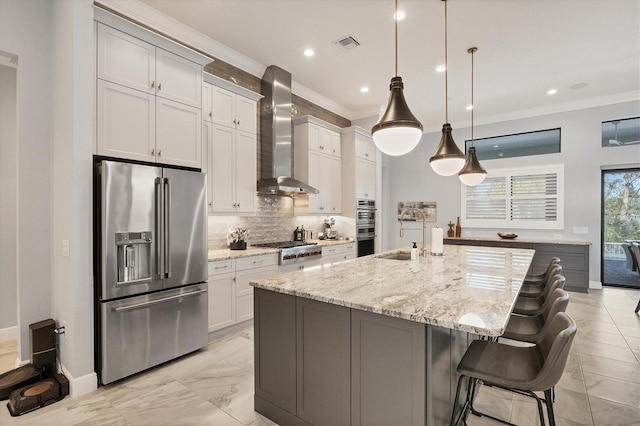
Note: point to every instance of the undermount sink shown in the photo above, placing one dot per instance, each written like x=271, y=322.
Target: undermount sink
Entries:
x=400, y=255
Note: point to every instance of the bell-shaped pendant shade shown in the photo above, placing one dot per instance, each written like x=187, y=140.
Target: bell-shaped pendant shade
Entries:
x=397, y=131
x=448, y=159
x=472, y=173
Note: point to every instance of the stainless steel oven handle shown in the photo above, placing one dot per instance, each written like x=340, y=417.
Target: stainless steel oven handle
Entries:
x=159, y=244
x=167, y=227
x=155, y=302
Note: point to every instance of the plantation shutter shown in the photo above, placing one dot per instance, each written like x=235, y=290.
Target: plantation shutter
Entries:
x=487, y=200
x=534, y=197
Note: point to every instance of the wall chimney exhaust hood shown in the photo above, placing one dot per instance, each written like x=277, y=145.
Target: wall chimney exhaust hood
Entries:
x=275, y=137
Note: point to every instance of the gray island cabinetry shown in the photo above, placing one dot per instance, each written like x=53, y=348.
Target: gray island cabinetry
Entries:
x=574, y=256
x=376, y=340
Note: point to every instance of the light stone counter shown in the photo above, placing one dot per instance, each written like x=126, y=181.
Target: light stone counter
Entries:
x=226, y=254
x=470, y=289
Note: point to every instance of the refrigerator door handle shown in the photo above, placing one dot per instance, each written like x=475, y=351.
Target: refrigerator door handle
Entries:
x=159, y=227
x=155, y=302
x=167, y=227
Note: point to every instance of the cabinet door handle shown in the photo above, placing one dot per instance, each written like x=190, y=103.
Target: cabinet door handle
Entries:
x=210, y=203
x=366, y=154
x=366, y=195
x=221, y=267
x=153, y=152
x=235, y=121
x=153, y=84
x=258, y=261
x=234, y=279
x=159, y=86
x=210, y=113
x=159, y=153
x=321, y=146
x=238, y=122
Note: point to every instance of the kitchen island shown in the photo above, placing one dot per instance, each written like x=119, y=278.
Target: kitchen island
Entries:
x=376, y=340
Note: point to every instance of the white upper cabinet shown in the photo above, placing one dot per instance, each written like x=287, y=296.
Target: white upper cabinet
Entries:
x=229, y=109
x=229, y=130
x=126, y=60
x=149, y=99
x=318, y=151
x=359, y=168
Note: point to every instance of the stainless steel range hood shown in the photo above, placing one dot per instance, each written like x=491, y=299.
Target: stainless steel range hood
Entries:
x=275, y=137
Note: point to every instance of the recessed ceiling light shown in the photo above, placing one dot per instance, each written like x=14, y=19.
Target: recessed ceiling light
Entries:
x=364, y=89
x=469, y=107
x=496, y=146
x=440, y=68
x=400, y=15
x=309, y=53
x=552, y=91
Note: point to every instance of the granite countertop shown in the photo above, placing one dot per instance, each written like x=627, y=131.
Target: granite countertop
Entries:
x=522, y=240
x=471, y=289
x=226, y=254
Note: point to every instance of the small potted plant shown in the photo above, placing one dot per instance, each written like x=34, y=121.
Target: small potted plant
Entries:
x=237, y=238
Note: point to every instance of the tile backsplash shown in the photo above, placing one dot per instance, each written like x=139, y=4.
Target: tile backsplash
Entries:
x=274, y=221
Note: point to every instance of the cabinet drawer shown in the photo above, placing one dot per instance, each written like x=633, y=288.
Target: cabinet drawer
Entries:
x=567, y=261
x=221, y=267
x=251, y=262
x=332, y=250
x=349, y=248
x=560, y=249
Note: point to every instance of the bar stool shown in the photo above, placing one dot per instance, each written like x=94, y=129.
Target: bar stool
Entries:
x=533, y=305
x=523, y=370
x=535, y=290
x=533, y=279
x=531, y=328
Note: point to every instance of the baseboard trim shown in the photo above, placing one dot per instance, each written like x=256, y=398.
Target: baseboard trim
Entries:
x=82, y=385
x=9, y=333
x=596, y=285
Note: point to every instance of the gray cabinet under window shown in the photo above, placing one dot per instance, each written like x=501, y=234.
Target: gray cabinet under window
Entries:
x=574, y=257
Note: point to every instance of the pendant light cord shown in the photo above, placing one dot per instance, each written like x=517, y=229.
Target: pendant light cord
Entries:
x=446, y=68
x=473, y=105
x=396, y=19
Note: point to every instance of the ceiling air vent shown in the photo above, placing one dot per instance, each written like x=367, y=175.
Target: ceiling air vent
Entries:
x=347, y=43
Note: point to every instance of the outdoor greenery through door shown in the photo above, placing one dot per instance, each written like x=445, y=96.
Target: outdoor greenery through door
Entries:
x=621, y=227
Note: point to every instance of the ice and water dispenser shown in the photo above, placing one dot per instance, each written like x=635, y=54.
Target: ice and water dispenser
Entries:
x=134, y=256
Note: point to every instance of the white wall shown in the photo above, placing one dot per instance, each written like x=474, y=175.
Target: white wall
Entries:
x=73, y=122
x=8, y=203
x=410, y=177
x=25, y=30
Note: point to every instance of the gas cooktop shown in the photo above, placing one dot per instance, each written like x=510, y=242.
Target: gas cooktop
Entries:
x=285, y=244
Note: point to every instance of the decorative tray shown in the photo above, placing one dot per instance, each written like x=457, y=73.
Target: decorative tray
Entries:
x=507, y=236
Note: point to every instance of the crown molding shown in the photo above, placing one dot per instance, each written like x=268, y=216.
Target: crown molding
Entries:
x=170, y=27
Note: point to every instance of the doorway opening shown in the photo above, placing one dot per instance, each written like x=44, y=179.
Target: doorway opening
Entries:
x=621, y=227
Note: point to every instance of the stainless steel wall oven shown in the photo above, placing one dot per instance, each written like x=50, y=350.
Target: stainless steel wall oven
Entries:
x=365, y=226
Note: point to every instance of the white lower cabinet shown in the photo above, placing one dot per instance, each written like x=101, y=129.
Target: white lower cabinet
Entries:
x=230, y=295
x=338, y=253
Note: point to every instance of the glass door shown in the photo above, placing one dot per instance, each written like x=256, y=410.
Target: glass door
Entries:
x=621, y=227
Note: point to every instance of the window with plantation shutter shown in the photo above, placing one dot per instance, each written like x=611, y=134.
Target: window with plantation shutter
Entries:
x=527, y=198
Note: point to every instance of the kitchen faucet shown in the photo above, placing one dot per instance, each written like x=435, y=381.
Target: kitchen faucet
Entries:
x=424, y=226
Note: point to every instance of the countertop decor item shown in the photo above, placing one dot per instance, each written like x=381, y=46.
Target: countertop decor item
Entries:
x=458, y=228
x=451, y=232
x=472, y=173
x=237, y=238
x=507, y=236
x=397, y=131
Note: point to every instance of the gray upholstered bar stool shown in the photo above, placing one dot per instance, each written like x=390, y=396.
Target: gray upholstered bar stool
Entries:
x=524, y=370
x=535, y=290
x=534, y=305
x=531, y=328
x=536, y=279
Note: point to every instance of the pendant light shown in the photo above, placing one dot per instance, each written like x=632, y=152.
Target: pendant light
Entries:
x=472, y=173
x=397, y=131
x=448, y=159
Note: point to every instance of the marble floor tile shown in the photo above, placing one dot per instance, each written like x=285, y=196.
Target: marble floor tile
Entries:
x=589, y=325
x=629, y=331
x=237, y=350
x=633, y=342
x=614, y=390
x=602, y=337
x=629, y=372
x=572, y=380
x=493, y=401
x=610, y=413
x=605, y=351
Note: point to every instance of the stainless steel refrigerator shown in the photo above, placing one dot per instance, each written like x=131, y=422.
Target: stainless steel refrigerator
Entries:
x=150, y=263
